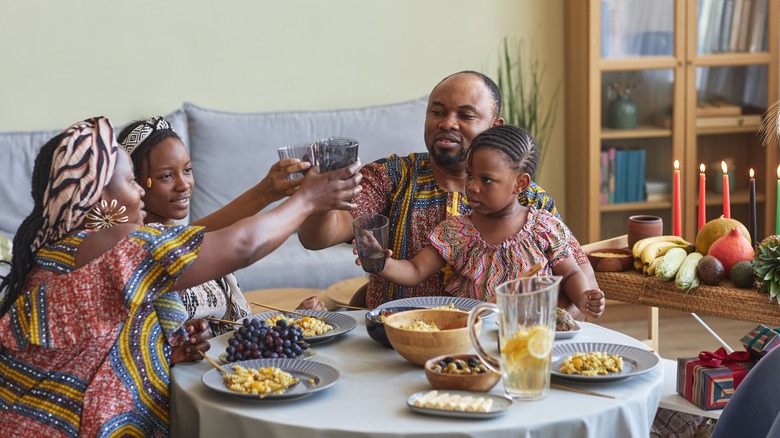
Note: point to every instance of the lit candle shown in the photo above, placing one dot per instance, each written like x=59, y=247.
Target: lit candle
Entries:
x=752, y=208
x=702, y=200
x=676, y=211
x=726, y=200
x=777, y=213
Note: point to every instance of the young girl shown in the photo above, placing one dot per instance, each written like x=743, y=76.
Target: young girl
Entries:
x=500, y=238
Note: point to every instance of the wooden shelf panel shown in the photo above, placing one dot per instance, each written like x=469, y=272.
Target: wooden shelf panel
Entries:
x=642, y=131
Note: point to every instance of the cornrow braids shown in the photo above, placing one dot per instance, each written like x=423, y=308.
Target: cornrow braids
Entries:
x=514, y=142
x=22, y=257
x=143, y=150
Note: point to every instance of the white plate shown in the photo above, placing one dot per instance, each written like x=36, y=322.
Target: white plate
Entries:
x=569, y=333
x=500, y=405
x=307, y=354
x=459, y=303
x=341, y=322
x=635, y=360
x=313, y=376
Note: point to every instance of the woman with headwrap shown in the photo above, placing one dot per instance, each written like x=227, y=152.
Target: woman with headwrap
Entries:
x=88, y=328
x=163, y=168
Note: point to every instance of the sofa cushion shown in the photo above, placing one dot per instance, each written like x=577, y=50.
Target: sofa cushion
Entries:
x=17, y=159
x=233, y=151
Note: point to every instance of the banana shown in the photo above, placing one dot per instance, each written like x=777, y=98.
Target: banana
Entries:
x=641, y=244
x=638, y=265
x=656, y=249
x=650, y=270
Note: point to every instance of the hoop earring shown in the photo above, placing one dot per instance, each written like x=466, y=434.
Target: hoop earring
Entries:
x=104, y=215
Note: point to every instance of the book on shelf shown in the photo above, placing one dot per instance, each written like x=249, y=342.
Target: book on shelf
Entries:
x=728, y=121
x=736, y=22
x=717, y=107
x=758, y=21
x=725, y=26
x=712, y=44
x=612, y=174
x=622, y=175
x=604, y=180
x=658, y=190
x=744, y=26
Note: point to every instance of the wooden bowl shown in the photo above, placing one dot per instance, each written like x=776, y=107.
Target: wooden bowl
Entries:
x=481, y=382
x=611, y=259
x=419, y=346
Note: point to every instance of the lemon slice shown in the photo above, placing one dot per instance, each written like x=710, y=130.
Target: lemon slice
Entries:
x=540, y=343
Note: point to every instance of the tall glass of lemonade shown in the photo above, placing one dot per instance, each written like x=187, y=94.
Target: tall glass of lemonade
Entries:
x=526, y=324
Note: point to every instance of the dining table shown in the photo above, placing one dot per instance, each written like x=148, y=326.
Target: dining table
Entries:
x=369, y=399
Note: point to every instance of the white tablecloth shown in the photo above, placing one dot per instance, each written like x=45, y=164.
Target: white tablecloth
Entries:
x=369, y=399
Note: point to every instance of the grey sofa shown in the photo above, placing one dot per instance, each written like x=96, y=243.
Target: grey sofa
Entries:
x=231, y=152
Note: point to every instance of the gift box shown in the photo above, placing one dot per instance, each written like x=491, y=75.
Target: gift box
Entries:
x=709, y=380
x=761, y=340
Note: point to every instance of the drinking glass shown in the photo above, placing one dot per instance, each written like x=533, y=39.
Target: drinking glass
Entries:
x=334, y=153
x=526, y=329
x=371, y=235
x=301, y=151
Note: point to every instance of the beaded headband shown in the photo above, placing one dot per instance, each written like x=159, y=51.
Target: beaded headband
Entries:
x=143, y=131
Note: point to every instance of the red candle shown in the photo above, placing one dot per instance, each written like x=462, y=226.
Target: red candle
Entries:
x=676, y=212
x=752, y=208
x=702, y=198
x=726, y=199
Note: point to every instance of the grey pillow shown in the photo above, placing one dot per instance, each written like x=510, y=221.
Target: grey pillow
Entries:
x=233, y=151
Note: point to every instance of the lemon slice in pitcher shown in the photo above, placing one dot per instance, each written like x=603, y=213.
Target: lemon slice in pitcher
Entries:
x=540, y=342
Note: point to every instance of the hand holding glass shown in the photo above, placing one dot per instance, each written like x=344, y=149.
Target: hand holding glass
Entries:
x=371, y=235
x=334, y=153
x=302, y=151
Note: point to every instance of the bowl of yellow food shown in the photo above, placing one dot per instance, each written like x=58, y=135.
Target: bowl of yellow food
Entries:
x=419, y=335
x=611, y=259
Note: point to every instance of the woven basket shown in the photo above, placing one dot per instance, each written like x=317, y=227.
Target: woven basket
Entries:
x=723, y=300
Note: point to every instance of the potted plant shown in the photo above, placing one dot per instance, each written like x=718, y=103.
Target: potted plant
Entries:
x=520, y=78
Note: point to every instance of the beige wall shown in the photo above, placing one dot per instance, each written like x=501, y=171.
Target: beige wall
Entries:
x=64, y=61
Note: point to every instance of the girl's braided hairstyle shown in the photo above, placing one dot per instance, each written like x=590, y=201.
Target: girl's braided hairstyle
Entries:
x=22, y=258
x=514, y=142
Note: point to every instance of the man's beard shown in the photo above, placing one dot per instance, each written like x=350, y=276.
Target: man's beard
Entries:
x=448, y=159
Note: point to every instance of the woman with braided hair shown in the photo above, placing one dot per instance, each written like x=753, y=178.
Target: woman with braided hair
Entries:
x=89, y=325
x=164, y=169
x=500, y=239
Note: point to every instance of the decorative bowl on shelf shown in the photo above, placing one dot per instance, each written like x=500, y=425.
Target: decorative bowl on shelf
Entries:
x=417, y=346
x=467, y=378
x=611, y=259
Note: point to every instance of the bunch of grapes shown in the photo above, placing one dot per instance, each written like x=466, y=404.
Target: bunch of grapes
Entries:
x=255, y=339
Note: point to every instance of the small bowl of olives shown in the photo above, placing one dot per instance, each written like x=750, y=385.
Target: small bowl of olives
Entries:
x=462, y=372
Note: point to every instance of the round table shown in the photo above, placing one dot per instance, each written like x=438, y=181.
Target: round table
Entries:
x=369, y=399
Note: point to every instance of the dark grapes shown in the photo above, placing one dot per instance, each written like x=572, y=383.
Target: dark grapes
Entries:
x=255, y=339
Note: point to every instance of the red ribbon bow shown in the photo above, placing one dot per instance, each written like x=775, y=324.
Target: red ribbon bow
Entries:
x=720, y=357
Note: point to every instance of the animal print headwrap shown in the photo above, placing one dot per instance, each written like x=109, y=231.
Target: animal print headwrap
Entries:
x=82, y=165
x=143, y=131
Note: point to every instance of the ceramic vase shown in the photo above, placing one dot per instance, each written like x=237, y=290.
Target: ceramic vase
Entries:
x=623, y=112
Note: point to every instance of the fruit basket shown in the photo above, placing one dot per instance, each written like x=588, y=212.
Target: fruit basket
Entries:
x=723, y=300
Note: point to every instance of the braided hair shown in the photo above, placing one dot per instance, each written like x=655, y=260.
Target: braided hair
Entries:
x=144, y=149
x=514, y=142
x=22, y=258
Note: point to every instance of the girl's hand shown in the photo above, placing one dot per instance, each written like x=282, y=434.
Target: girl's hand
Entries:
x=276, y=186
x=592, y=303
x=199, y=333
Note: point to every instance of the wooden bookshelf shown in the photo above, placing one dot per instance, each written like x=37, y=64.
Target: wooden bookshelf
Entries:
x=671, y=85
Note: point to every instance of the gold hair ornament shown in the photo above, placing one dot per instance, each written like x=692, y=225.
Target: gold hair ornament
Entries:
x=104, y=215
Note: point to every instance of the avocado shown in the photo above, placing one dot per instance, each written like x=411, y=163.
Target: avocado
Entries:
x=742, y=274
x=710, y=270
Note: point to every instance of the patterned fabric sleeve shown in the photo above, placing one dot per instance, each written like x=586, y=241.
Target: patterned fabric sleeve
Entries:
x=555, y=233
x=376, y=186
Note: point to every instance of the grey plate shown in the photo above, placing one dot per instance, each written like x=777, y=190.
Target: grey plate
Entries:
x=341, y=322
x=569, y=333
x=313, y=376
x=635, y=360
x=500, y=405
x=459, y=303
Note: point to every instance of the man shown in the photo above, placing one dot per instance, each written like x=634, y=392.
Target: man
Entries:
x=422, y=189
